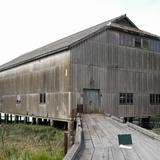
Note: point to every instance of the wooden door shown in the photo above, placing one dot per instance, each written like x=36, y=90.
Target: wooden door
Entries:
x=91, y=101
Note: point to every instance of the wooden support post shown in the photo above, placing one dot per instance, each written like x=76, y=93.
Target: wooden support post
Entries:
x=16, y=118
x=39, y=120
x=6, y=118
x=45, y=121
x=70, y=133
x=65, y=142
x=10, y=118
x=26, y=120
x=33, y=120
x=20, y=118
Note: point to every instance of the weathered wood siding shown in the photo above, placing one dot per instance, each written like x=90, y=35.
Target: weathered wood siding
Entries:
x=115, y=69
x=50, y=75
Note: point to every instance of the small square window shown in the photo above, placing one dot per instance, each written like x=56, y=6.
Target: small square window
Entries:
x=126, y=98
x=18, y=99
x=154, y=99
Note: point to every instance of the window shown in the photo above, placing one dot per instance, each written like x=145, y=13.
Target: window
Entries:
x=42, y=98
x=126, y=39
x=145, y=43
x=126, y=98
x=130, y=40
x=154, y=99
x=137, y=42
x=18, y=99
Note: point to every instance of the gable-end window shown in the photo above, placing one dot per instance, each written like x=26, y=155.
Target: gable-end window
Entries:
x=126, y=39
x=154, y=99
x=42, y=98
x=18, y=99
x=145, y=43
x=137, y=42
x=126, y=98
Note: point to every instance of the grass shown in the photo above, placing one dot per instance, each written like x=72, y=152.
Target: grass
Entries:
x=30, y=142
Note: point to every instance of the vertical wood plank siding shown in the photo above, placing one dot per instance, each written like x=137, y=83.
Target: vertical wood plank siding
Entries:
x=115, y=69
x=50, y=75
x=97, y=63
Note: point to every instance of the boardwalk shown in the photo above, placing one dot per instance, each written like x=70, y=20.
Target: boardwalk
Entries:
x=101, y=142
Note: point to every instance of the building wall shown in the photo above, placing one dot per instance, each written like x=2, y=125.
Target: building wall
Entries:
x=50, y=75
x=115, y=69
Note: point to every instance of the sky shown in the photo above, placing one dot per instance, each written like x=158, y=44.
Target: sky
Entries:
x=26, y=25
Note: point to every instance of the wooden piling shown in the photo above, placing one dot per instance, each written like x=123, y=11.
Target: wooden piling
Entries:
x=10, y=118
x=6, y=118
x=26, y=120
x=33, y=120
x=16, y=118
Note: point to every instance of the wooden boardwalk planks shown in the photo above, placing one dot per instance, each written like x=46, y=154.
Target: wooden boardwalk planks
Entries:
x=101, y=141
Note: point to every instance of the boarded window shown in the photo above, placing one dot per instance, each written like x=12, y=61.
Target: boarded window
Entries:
x=154, y=99
x=126, y=98
x=43, y=98
x=137, y=42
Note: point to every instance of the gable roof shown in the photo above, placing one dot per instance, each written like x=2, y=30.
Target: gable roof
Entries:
x=72, y=40
x=125, y=21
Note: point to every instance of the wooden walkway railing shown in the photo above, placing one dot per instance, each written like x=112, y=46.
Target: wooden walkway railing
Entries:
x=75, y=149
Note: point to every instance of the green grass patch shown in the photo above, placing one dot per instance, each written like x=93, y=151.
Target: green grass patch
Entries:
x=30, y=142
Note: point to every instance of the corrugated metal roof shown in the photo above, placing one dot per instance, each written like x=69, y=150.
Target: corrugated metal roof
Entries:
x=67, y=42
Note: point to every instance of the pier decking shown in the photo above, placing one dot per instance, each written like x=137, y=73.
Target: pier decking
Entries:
x=101, y=141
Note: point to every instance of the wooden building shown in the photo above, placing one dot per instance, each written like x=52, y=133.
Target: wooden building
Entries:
x=113, y=67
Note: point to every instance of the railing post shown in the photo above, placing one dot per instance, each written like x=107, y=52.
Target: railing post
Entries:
x=70, y=133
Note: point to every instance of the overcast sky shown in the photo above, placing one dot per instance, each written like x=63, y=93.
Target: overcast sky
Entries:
x=29, y=24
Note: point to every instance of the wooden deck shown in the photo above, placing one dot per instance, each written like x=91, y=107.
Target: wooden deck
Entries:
x=101, y=141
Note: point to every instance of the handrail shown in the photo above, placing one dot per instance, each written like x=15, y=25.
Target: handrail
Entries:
x=144, y=131
x=75, y=149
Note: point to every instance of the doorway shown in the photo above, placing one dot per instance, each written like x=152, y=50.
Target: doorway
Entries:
x=91, y=100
